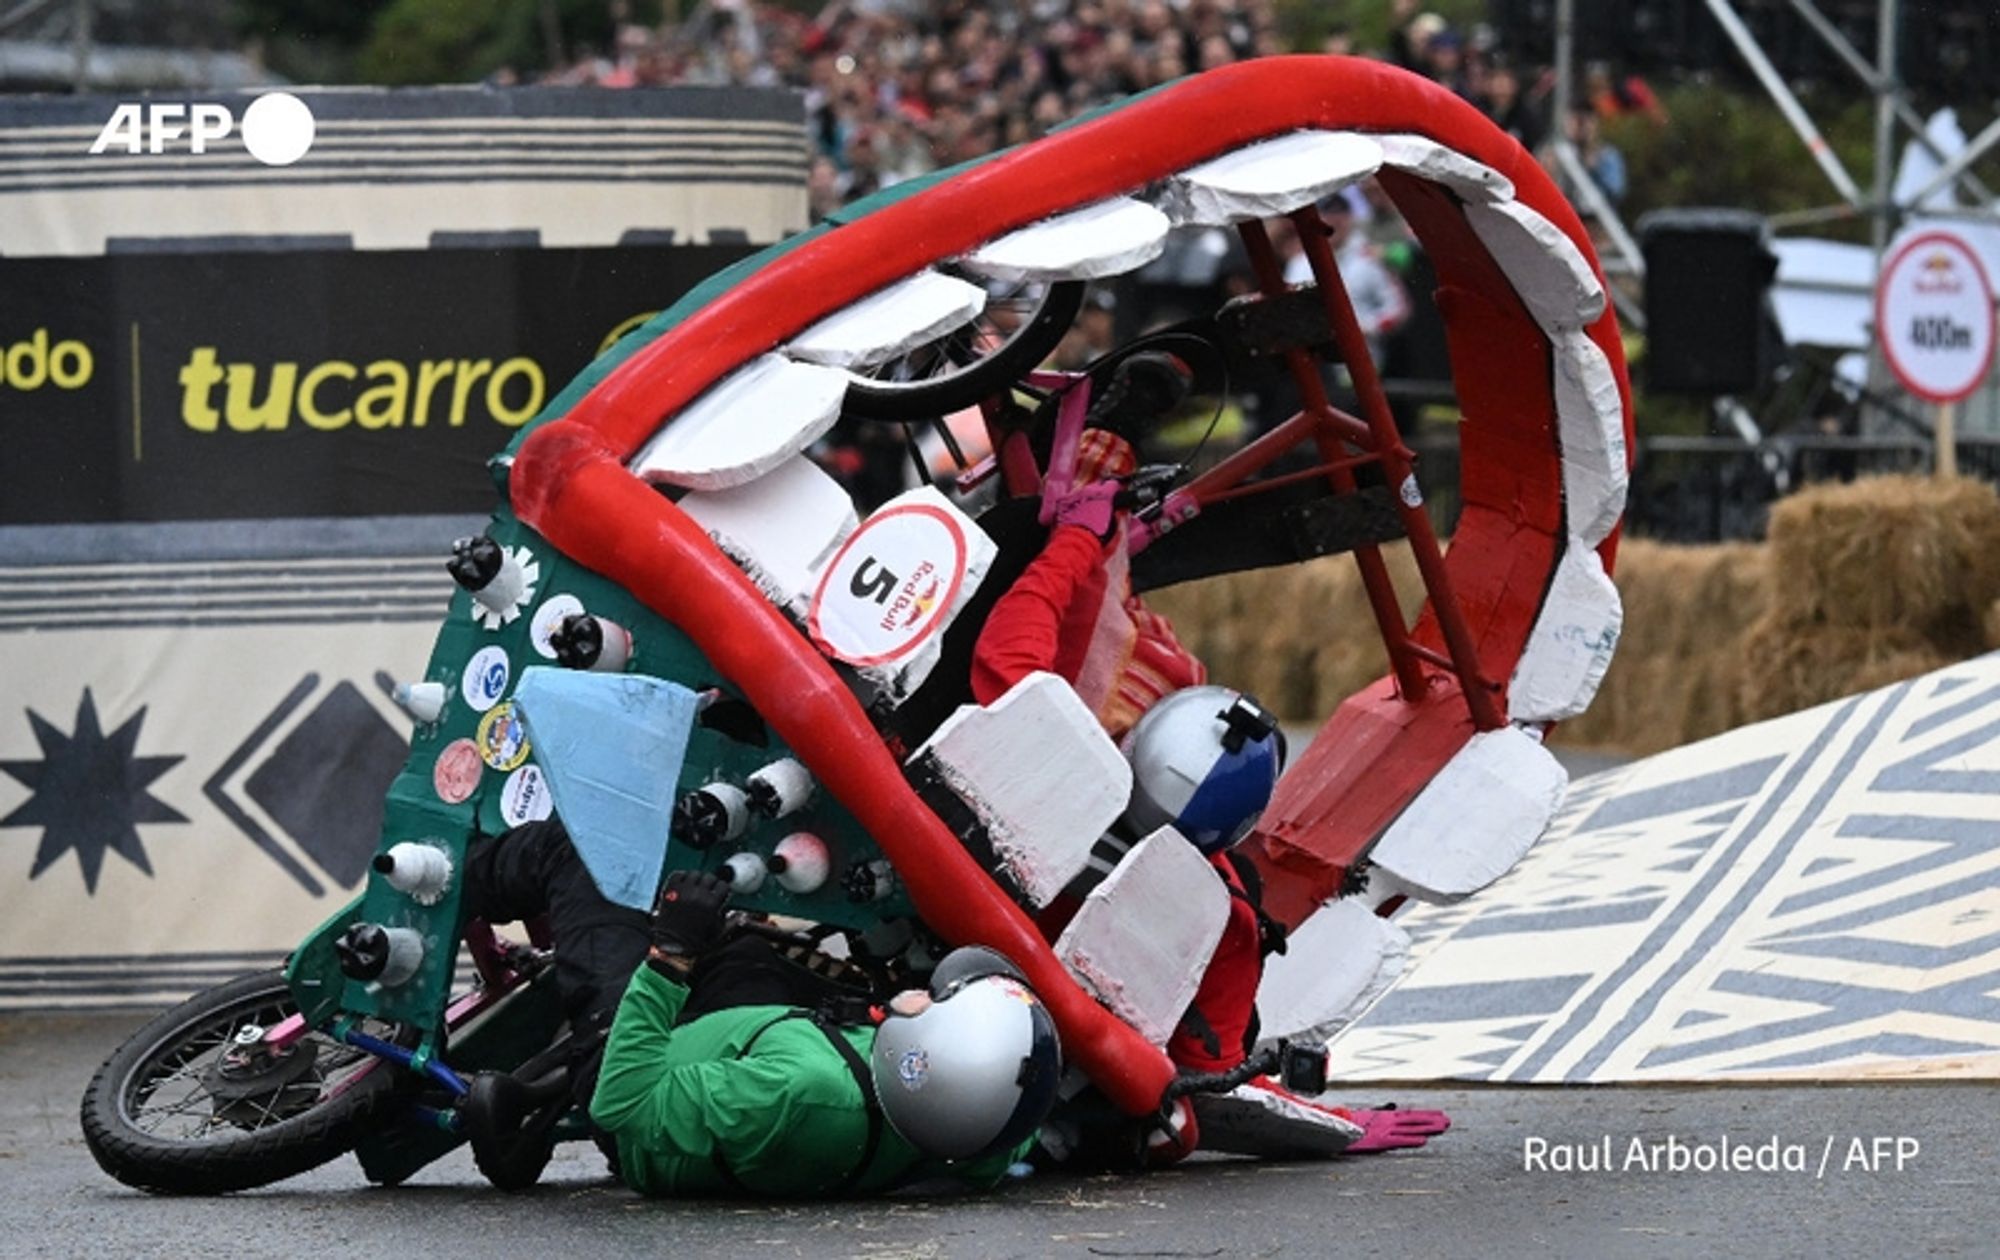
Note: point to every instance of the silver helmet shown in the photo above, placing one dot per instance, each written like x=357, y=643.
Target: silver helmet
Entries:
x=974, y=1072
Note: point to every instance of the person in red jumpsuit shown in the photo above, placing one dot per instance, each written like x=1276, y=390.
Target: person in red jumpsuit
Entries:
x=1073, y=613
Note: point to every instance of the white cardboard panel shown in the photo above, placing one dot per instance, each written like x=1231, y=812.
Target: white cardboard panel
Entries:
x=1144, y=936
x=1108, y=238
x=1592, y=424
x=1425, y=157
x=1545, y=266
x=1476, y=819
x=891, y=322
x=1334, y=967
x=1270, y=178
x=1042, y=776
x=1571, y=645
x=745, y=425
x=780, y=529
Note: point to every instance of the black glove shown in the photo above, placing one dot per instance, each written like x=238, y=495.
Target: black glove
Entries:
x=687, y=919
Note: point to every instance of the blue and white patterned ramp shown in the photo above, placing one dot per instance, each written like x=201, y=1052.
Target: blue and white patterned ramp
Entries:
x=1813, y=896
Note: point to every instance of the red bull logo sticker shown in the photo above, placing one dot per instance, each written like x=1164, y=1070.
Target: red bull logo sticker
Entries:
x=891, y=587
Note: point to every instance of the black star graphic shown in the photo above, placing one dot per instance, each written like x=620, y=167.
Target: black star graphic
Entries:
x=89, y=792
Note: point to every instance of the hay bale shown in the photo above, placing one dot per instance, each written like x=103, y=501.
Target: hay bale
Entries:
x=1915, y=553
x=1860, y=585
x=1784, y=671
x=1301, y=638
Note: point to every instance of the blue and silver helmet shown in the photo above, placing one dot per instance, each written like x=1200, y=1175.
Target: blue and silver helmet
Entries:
x=1204, y=761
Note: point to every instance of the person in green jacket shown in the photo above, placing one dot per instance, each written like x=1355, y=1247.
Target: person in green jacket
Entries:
x=717, y=1079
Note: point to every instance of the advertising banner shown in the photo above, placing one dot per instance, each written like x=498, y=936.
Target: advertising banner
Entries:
x=214, y=386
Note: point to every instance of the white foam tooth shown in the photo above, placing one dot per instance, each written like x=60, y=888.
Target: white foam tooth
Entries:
x=1591, y=416
x=1475, y=819
x=745, y=425
x=890, y=322
x=1271, y=177
x=1426, y=158
x=780, y=528
x=1543, y=264
x=1572, y=642
x=1106, y=238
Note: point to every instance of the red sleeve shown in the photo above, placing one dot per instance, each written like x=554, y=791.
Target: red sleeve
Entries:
x=1020, y=635
x=1211, y=1035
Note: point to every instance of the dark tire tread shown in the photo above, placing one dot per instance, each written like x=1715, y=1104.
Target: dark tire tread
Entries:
x=237, y=1162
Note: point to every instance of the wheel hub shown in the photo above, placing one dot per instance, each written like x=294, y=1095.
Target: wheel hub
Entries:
x=252, y=1084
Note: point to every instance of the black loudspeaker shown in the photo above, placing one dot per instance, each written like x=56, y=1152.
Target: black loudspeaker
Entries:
x=1709, y=328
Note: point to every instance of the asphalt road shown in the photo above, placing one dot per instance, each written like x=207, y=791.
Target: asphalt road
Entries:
x=1469, y=1194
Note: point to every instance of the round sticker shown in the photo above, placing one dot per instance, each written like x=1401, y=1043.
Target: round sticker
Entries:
x=1934, y=315
x=547, y=618
x=525, y=798
x=457, y=771
x=914, y=1069
x=502, y=739
x=485, y=679
x=890, y=586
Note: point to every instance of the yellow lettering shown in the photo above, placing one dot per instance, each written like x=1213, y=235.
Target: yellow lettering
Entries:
x=77, y=376
x=35, y=348
x=275, y=412
x=468, y=372
x=496, y=401
x=429, y=373
x=384, y=406
x=309, y=396
x=199, y=377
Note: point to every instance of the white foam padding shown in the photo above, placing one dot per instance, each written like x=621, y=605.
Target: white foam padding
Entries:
x=1426, y=158
x=1335, y=965
x=780, y=529
x=1255, y=1119
x=1144, y=936
x=890, y=322
x=1041, y=776
x=745, y=425
x=1108, y=238
x=1571, y=646
x=1272, y=177
x=1473, y=821
x=1545, y=266
x=1591, y=420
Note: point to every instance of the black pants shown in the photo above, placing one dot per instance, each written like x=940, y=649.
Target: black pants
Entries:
x=533, y=870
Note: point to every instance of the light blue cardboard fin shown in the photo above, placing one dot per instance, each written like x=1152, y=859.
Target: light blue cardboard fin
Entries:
x=612, y=747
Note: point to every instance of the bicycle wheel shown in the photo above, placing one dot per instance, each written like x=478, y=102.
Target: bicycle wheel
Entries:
x=1019, y=327
x=192, y=1104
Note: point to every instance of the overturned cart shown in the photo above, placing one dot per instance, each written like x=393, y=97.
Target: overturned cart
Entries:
x=684, y=631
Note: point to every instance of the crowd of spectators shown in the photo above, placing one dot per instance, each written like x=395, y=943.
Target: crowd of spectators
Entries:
x=895, y=89
x=898, y=88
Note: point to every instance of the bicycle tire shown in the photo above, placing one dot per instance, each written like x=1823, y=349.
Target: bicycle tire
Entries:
x=1021, y=353
x=235, y=1157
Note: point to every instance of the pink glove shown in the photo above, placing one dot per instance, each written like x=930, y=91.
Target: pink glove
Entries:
x=1390, y=1129
x=1091, y=507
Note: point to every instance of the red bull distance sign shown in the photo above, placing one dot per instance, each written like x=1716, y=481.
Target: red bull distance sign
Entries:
x=1934, y=315
x=890, y=587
